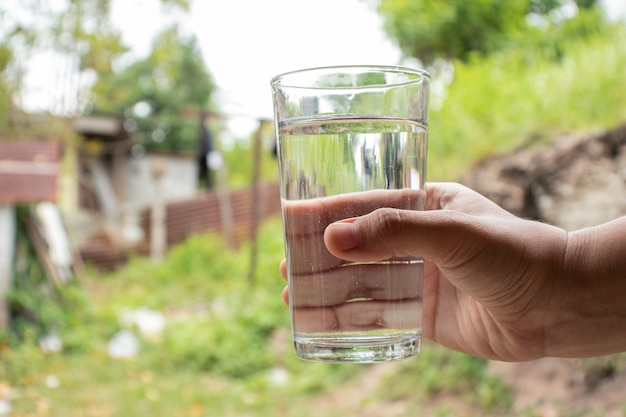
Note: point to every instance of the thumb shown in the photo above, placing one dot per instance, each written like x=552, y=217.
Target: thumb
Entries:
x=437, y=235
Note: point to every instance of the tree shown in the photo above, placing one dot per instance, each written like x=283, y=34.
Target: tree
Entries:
x=153, y=94
x=456, y=29
x=78, y=32
x=6, y=90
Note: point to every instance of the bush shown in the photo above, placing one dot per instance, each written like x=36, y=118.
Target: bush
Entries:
x=518, y=97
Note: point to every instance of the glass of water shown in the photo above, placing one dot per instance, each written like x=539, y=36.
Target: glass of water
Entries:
x=350, y=140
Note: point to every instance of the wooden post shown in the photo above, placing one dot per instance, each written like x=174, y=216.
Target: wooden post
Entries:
x=215, y=162
x=223, y=195
x=256, y=206
x=7, y=252
x=226, y=213
x=158, y=235
x=120, y=175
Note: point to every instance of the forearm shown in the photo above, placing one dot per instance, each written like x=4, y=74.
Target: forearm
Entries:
x=592, y=320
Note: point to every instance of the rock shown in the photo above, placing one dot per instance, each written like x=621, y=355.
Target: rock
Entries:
x=123, y=345
x=5, y=407
x=50, y=343
x=149, y=323
x=278, y=376
x=574, y=183
x=52, y=381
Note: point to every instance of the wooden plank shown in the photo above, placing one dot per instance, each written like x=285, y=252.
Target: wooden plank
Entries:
x=29, y=170
x=27, y=188
x=41, y=250
x=7, y=250
x=30, y=149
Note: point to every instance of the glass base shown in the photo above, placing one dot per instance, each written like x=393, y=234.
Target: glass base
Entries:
x=357, y=350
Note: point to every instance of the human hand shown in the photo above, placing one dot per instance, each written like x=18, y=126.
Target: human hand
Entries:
x=490, y=280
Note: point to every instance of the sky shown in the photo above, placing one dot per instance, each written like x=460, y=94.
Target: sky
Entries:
x=246, y=42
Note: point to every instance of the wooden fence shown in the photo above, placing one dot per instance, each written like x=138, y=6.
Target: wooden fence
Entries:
x=229, y=212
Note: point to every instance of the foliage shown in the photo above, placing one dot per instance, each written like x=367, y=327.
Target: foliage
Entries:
x=38, y=308
x=155, y=94
x=33, y=300
x=6, y=89
x=218, y=321
x=81, y=28
x=78, y=33
x=522, y=97
x=238, y=160
x=457, y=29
x=549, y=38
x=13, y=38
x=224, y=339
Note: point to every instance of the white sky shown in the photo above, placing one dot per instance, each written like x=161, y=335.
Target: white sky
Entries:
x=247, y=42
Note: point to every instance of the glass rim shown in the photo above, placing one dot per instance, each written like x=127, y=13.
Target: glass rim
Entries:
x=279, y=80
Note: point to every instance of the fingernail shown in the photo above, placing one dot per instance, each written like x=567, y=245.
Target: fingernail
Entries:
x=344, y=235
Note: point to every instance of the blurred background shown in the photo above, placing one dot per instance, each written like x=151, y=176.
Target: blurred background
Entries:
x=139, y=208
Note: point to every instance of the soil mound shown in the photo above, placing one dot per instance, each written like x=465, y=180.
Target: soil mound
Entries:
x=574, y=183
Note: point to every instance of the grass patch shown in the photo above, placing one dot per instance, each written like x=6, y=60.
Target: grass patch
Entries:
x=226, y=345
x=498, y=103
x=439, y=372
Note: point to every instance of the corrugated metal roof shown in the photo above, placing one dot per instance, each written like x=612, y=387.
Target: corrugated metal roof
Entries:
x=100, y=125
x=29, y=170
x=103, y=135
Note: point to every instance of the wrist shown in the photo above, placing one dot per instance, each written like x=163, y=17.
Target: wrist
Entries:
x=590, y=311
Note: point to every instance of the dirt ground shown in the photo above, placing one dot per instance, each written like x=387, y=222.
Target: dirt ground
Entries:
x=560, y=387
x=548, y=387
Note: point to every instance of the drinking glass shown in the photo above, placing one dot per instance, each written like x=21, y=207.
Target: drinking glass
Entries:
x=350, y=140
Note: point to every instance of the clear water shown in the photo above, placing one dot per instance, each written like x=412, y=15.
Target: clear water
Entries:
x=338, y=168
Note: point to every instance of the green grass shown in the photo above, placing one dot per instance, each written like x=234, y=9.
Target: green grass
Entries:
x=225, y=338
x=95, y=385
x=441, y=372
